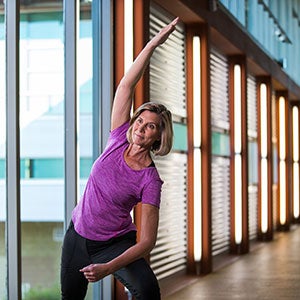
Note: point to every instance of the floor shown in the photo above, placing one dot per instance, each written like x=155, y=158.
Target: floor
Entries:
x=272, y=271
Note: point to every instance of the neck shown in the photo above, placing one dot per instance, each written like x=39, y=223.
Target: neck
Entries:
x=137, y=157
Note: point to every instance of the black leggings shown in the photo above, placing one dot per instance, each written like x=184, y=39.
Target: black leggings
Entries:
x=78, y=252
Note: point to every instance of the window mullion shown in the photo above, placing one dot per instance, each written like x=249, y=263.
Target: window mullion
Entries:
x=13, y=226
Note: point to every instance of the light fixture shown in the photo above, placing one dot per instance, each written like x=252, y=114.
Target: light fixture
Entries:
x=237, y=110
x=282, y=194
x=197, y=149
x=282, y=163
x=237, y=153
x=296, y=191
x=282, y=128
x=263, y=157
x=264, y=194
x=128, y=34
x=238, y=198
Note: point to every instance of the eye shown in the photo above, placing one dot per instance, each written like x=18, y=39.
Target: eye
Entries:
x=151, y=126
x=139, y=120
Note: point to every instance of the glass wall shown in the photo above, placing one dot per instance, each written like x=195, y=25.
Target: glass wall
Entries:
x=41, y=147
x=281, y=23
x=2, y=157
x=42, y=139
x=84, y=77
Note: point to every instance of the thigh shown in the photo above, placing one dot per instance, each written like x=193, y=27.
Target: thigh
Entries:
x=138, y=277
x=140, y=280
x=74, y=257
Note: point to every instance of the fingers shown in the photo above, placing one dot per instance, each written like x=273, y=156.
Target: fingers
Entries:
x=171, y=26
x=165, y=32
x=175, y=21
x=88, y=273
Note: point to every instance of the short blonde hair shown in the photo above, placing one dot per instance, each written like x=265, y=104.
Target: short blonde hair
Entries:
x=164, y=145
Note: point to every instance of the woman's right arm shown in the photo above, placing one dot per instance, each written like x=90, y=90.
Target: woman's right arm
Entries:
x=124, y=93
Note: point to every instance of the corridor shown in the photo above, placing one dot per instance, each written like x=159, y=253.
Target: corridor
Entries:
x=271, y=271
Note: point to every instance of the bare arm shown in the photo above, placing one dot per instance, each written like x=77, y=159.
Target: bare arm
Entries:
x=124, y=94
x=150, y=215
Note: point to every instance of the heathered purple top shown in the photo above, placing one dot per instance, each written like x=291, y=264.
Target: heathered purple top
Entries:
x=112, y=190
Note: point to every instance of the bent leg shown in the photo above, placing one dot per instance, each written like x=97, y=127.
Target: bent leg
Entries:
x=140, y=280
x=138, y=277
x=74, y=257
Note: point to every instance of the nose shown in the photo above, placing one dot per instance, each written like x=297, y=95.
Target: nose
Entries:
x=142, y=128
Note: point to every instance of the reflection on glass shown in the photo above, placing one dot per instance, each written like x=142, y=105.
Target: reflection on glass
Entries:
x=41, y=147
x=3, y=292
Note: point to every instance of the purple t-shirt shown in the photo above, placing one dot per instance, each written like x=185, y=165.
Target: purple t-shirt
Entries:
x=112, y=190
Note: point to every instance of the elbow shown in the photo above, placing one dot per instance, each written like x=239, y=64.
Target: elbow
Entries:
x=148, y=247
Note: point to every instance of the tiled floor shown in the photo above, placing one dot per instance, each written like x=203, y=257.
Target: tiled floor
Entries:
x=272, y=271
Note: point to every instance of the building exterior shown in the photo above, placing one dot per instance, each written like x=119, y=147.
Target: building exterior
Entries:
x=229, y=75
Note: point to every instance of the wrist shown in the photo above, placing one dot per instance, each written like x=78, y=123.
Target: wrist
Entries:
x=151, y=45
x=110, y=269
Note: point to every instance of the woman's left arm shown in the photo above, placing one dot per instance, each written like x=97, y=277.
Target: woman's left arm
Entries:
x=149, y=225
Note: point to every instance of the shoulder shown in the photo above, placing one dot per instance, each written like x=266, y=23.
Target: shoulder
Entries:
x=119, y=131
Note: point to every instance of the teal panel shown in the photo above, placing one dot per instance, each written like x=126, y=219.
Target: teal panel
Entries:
x=51, y=168
x=47, y=168
x=25, y=168
x=220, y=144
x=85, y=167
x=49, y=25
x=42, y=26
x=42, y=17
x=2, y=168
x=252, y=163
x=180, y=137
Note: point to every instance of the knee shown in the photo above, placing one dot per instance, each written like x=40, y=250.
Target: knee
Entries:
x=146, y=288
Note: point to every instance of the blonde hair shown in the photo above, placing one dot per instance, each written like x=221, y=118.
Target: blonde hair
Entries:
x=164, y=145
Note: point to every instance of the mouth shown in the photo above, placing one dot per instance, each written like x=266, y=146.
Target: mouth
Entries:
x=138, y=136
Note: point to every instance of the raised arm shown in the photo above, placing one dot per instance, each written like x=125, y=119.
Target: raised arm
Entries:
x=124, y=93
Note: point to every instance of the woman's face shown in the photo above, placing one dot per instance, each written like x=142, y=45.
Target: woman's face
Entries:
x=146, y=129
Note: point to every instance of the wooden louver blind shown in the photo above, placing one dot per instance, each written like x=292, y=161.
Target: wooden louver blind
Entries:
x=251, y=107
x=167, y=67
x=252, y=136
x=167, y=86
x=169, y=255
x=220, y=205
x=219, y=91
x=220, y=164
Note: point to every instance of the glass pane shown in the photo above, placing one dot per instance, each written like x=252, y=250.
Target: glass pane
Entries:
x=253, y=163
x=220, y=144
x=41, y=147
x=3, y=290
x=180, y=137
x=85, y=73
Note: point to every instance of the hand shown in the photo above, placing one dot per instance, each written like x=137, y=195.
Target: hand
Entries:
x=95, y=272
x=164, y=33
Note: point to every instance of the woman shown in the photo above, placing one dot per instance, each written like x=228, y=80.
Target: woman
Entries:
x=101, y=238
